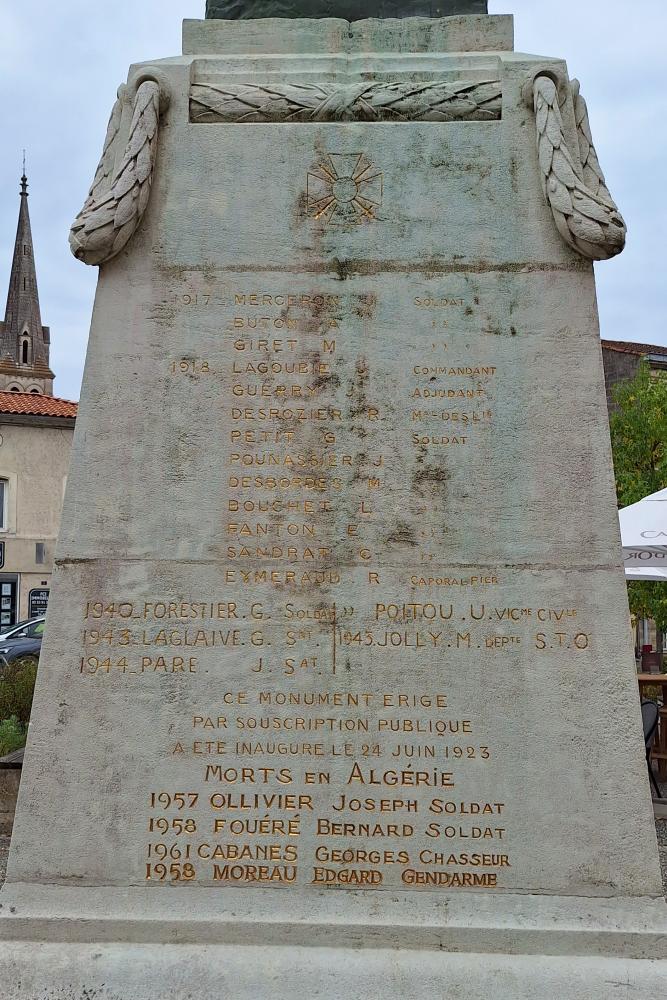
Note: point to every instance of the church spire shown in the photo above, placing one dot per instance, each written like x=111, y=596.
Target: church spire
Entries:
x=23, y=301
x=24, y=342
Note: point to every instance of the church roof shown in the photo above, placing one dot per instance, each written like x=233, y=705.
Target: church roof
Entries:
x=36, y=404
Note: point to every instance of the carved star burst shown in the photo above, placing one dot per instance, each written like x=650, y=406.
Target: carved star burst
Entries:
x=344, y=189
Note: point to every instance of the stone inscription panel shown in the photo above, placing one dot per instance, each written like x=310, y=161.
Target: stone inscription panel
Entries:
x=337, y=696
x=304, y=736
x=316, y=420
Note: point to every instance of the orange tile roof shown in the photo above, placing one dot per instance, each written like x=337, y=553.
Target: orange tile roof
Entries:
x=36, y=404
x=629, y=347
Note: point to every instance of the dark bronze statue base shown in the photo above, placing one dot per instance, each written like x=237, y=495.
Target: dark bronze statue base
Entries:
x=350, y=10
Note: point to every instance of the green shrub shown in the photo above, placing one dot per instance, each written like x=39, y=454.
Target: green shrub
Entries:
x=17, y=686
x=12, y=735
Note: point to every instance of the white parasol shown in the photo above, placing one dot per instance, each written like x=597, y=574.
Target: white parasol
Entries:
x=644, y=538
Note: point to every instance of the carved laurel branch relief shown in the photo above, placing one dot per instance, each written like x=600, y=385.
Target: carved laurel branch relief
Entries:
x=367, y=102
x=118, y=197
x=585, y=213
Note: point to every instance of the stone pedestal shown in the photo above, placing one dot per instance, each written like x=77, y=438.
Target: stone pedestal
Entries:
x=337, y=696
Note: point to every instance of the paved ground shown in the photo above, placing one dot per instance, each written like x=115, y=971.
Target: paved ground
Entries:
x=661, y=828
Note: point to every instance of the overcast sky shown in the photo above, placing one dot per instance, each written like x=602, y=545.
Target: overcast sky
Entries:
x=61, y=62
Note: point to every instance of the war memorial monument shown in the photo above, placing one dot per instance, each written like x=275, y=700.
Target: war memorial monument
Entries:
x=337, y=696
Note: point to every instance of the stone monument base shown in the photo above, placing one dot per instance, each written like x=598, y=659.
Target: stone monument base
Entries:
x=126, y=944
x=342, y=456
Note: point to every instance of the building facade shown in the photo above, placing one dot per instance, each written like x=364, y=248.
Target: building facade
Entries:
x=622, y=358
x=35, y=443
x=36, y=432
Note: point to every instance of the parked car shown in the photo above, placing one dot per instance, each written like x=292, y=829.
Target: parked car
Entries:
x=29, y=639
x=22, y=630
x=19, y=650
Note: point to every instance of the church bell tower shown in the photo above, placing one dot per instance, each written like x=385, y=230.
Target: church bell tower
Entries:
x=24, y=342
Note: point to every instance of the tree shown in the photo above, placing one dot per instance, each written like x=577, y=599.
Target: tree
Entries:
x=639, y=436
x=639, y=444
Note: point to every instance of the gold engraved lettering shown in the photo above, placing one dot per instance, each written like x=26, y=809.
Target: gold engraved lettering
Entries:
x=344, y=802
x=267, y=874
x=416, y=779
x=347, y=877
x=333, y=828
x=291, y=300
x=451, y=832
x=449, y=880
x=437, y=303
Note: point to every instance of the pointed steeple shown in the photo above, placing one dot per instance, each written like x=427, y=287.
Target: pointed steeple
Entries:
x=24, y=342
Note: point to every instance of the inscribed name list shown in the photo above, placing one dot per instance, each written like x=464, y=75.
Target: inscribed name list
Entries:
x=328, y=674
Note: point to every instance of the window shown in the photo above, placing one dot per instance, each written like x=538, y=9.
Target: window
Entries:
x=657, y=364
x=4, y=491
x=40, y=552
x=35, y=392
x=25, y=349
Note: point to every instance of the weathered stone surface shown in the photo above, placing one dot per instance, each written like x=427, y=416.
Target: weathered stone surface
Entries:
x=335, y=37
x=339, y=601
x=10, y=779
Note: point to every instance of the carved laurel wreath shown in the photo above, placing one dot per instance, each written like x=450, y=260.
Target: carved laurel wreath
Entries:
x=118, y=198
x=584, y=211
x=424, y=101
